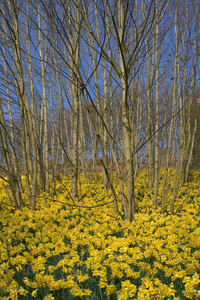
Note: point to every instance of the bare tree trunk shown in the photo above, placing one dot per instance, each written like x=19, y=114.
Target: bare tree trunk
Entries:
x=74, y=50
x=33, y=114
x=95, y=124
x=16, y=170
x=191, y=135
x=156, y=174
x=12, y=177
x=149, y=117
x=128, y=155
x=171, y=130
x=27, y=129
x=43, y=59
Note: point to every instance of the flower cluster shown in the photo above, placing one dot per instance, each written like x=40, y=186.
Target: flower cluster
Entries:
x=65, y=252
